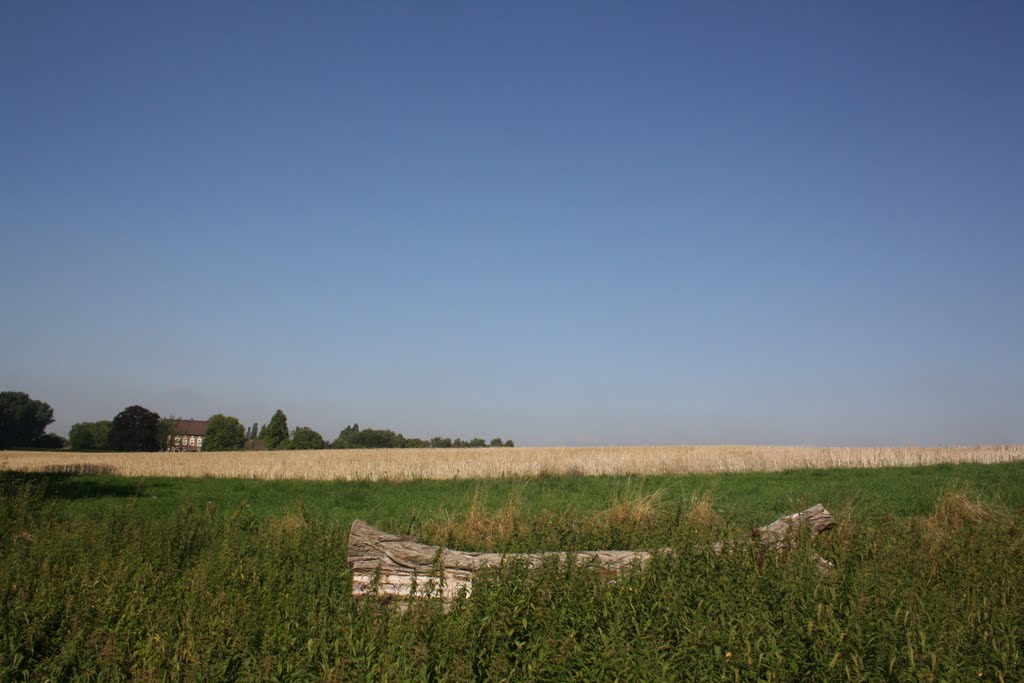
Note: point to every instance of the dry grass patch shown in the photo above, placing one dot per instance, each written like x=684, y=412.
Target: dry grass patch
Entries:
x=634, y=508
x=958, y=509
x=702, y=514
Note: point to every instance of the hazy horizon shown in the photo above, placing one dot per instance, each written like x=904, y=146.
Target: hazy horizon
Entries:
x=562, y=224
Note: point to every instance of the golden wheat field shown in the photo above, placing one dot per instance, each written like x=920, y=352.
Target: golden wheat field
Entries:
x=448, y=463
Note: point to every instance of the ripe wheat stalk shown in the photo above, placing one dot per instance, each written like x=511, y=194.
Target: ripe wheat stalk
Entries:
x=449, y=463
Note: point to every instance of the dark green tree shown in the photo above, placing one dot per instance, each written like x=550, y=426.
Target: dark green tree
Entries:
x=224, y=433
x=354, y=437
x=276, y=434
x=253, y=431
x=496, y=442
x=346, y=435
x=51, y=440
x=89, y=436
x=377, y=438
x=441, y=442
x=135, y=429
x=477, y=443
x=509, y=444
x=23, y=420
x=307, y=439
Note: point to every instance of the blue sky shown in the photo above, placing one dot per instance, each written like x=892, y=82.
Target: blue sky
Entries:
x=561, y=223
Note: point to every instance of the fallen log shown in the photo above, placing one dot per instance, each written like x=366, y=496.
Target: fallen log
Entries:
x=392, y=566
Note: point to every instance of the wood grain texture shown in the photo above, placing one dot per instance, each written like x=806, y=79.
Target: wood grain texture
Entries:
x=392, y=566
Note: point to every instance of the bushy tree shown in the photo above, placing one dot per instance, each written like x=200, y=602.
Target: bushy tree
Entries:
x=307, y=439
x=354, y=437
x=377, y=438
x=135, y=429
x=51, y=440
x=345, y=435
x=23, y=420
x=224, y=433
x=276, y=433
x=89, y=436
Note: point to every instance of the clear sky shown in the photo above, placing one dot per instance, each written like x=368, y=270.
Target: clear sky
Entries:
x=556, y=222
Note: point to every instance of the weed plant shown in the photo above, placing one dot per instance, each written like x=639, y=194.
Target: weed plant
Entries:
x=207, y=594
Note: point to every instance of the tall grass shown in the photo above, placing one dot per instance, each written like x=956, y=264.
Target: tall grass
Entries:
x=408, y=464
x=214, y=595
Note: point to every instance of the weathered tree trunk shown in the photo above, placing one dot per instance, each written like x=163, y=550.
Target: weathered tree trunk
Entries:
x=394, y=566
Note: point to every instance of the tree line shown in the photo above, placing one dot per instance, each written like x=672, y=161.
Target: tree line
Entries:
x=23, y=422
x=275, y=436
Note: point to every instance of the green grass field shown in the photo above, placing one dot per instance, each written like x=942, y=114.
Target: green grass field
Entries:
x=198, y=579
x=744, y=497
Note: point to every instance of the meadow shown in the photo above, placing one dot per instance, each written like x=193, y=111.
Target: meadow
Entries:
x=165, y=578
x=111, y=578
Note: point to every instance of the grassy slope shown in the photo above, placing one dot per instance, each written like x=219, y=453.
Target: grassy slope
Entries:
x=742, y=497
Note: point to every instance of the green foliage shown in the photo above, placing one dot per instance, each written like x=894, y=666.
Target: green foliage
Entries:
x=136, y=429
x=224, y=433
x=89, y=436
x=50, y=441
x=208, y=593
x=276, y=433
x=346, y=437
x=307, y=439
x=354, y=437
x=23, y=420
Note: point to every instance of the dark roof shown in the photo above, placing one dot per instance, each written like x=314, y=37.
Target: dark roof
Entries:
x=188, y=427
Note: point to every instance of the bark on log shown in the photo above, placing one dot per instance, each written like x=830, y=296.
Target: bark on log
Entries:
x=392, y=566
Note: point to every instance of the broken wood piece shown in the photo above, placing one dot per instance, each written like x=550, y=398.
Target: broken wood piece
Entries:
x=392, y=566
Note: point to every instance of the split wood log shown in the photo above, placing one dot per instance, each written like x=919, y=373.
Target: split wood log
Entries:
x=392, y=566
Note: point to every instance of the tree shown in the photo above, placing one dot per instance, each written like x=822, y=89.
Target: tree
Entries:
x=253, y=432
x=306, y=439
x=276, y=434
x=354, y=437
x=89, y=436
x=23, y=420
x=224, y=433
x=135, y=429
x=377, y=438
x=496, y=442
x=52, y=440
x=346, y=435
